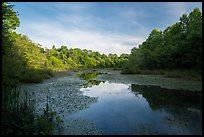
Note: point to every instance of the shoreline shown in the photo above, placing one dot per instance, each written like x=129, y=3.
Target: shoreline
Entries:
x=157, y=80
x=110, y=75
x=65, y=98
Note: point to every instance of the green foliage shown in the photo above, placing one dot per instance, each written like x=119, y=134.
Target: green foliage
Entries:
x=18, y=116
x=10, y=21
x=17, y=113
x=44, y=124
x=35, y=75
x=90, y=79
x=24, y=60
x=91, y=83
x=88, y=76
x=179, y=46
x=64, y=59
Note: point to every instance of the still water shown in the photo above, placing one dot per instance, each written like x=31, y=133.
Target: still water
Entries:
x=136, y=109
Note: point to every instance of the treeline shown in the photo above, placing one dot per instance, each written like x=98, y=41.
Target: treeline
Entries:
x=64, y=59
x=178, y=47
x=29, y=62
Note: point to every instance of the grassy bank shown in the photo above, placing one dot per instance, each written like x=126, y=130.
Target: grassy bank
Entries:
x=177, y=73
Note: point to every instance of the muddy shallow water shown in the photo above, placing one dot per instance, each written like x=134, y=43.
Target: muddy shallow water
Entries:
x=111, y=103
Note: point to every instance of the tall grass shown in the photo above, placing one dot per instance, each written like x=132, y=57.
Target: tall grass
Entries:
x=17, y=113
x=19, y=118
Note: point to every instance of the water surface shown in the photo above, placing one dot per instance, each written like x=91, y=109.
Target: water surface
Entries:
x=136, y=109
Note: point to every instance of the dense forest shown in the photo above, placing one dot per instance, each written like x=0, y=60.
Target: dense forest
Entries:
x=178, y=47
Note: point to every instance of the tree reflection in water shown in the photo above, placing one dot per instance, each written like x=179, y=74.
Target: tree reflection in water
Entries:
x=91, y=83
x=185, y=107
x=89, y=77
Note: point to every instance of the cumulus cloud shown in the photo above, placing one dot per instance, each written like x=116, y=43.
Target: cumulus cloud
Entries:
x=54, y=34
x=83, y=25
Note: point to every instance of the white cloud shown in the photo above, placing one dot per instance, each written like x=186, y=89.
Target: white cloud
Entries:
x=77, y=20
x=54, y=34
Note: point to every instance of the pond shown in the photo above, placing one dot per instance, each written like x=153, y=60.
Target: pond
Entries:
x=138, y=109
x=106, y=102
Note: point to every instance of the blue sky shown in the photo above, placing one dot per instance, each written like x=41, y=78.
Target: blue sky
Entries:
x=107, y=27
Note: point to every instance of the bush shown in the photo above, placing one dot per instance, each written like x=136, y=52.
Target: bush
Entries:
x=36, y=76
